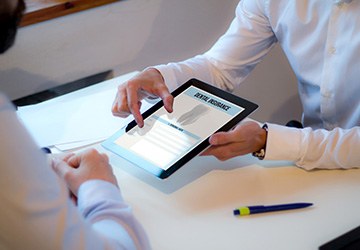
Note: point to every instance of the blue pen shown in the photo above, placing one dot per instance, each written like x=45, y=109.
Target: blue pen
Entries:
x=264, y=209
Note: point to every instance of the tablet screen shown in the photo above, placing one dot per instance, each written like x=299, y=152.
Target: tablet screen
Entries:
x=166, y=138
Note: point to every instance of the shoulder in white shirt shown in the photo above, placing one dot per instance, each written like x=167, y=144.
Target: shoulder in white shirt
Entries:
x=322, y=50
x=36, y=207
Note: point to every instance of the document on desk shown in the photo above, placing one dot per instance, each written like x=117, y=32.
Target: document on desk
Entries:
x=74, y=123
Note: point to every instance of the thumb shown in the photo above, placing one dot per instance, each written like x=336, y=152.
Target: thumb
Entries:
x=60, y=167
x=221, y=138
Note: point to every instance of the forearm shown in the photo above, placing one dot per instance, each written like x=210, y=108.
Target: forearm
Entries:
x=200, y=67
x=232, y=58
x=102, y=205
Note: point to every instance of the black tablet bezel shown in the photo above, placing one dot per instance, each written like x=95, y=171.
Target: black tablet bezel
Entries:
x=248, y=107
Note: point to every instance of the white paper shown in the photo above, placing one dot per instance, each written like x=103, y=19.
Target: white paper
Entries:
x=78, y=120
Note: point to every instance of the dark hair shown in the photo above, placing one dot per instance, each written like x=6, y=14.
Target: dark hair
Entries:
x=9, y=22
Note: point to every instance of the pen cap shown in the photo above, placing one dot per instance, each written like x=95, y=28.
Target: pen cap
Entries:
x=242, y=211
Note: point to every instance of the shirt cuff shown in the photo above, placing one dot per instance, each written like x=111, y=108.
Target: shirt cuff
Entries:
x=94, y=191
x=283, y=143
x=168, y=75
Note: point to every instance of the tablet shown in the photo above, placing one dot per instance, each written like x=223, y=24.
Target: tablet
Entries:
x=347, y=241
x=169, y=140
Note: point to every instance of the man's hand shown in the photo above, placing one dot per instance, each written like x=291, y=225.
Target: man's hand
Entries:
x=79, y=168
x=247, y=137
x=129, y=95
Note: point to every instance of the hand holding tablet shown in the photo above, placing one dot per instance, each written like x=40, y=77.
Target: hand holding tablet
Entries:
x=168, y=140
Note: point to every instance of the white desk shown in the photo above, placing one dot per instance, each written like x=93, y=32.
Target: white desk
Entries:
x=193, y=208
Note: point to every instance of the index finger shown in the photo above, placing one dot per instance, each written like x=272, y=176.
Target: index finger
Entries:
x=159, y=89
x=60, y=167
x=168, y=100
x=134, y=104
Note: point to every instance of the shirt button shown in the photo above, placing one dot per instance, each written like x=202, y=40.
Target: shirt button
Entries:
x=332, y=50
x=329, y=125
x=339, y=3
x=326, y=94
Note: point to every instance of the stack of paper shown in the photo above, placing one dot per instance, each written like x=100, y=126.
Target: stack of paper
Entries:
x=77, y=119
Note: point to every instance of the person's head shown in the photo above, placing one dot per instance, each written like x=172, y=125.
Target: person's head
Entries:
x=11, y=12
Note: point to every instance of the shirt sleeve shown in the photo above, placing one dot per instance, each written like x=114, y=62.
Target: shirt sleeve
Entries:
x=103, y=207
x=36, y=208
x=232, y=58
x=314, y=149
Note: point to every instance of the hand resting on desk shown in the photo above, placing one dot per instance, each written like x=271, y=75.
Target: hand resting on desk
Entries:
x=75, y=169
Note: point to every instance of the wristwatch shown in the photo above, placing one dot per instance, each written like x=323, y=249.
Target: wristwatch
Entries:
x=260, y=154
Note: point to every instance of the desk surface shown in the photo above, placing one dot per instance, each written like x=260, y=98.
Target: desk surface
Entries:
x=192, y=209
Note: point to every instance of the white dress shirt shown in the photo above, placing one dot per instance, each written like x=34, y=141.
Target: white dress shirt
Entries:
x=36, y=211
x=321, y=40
